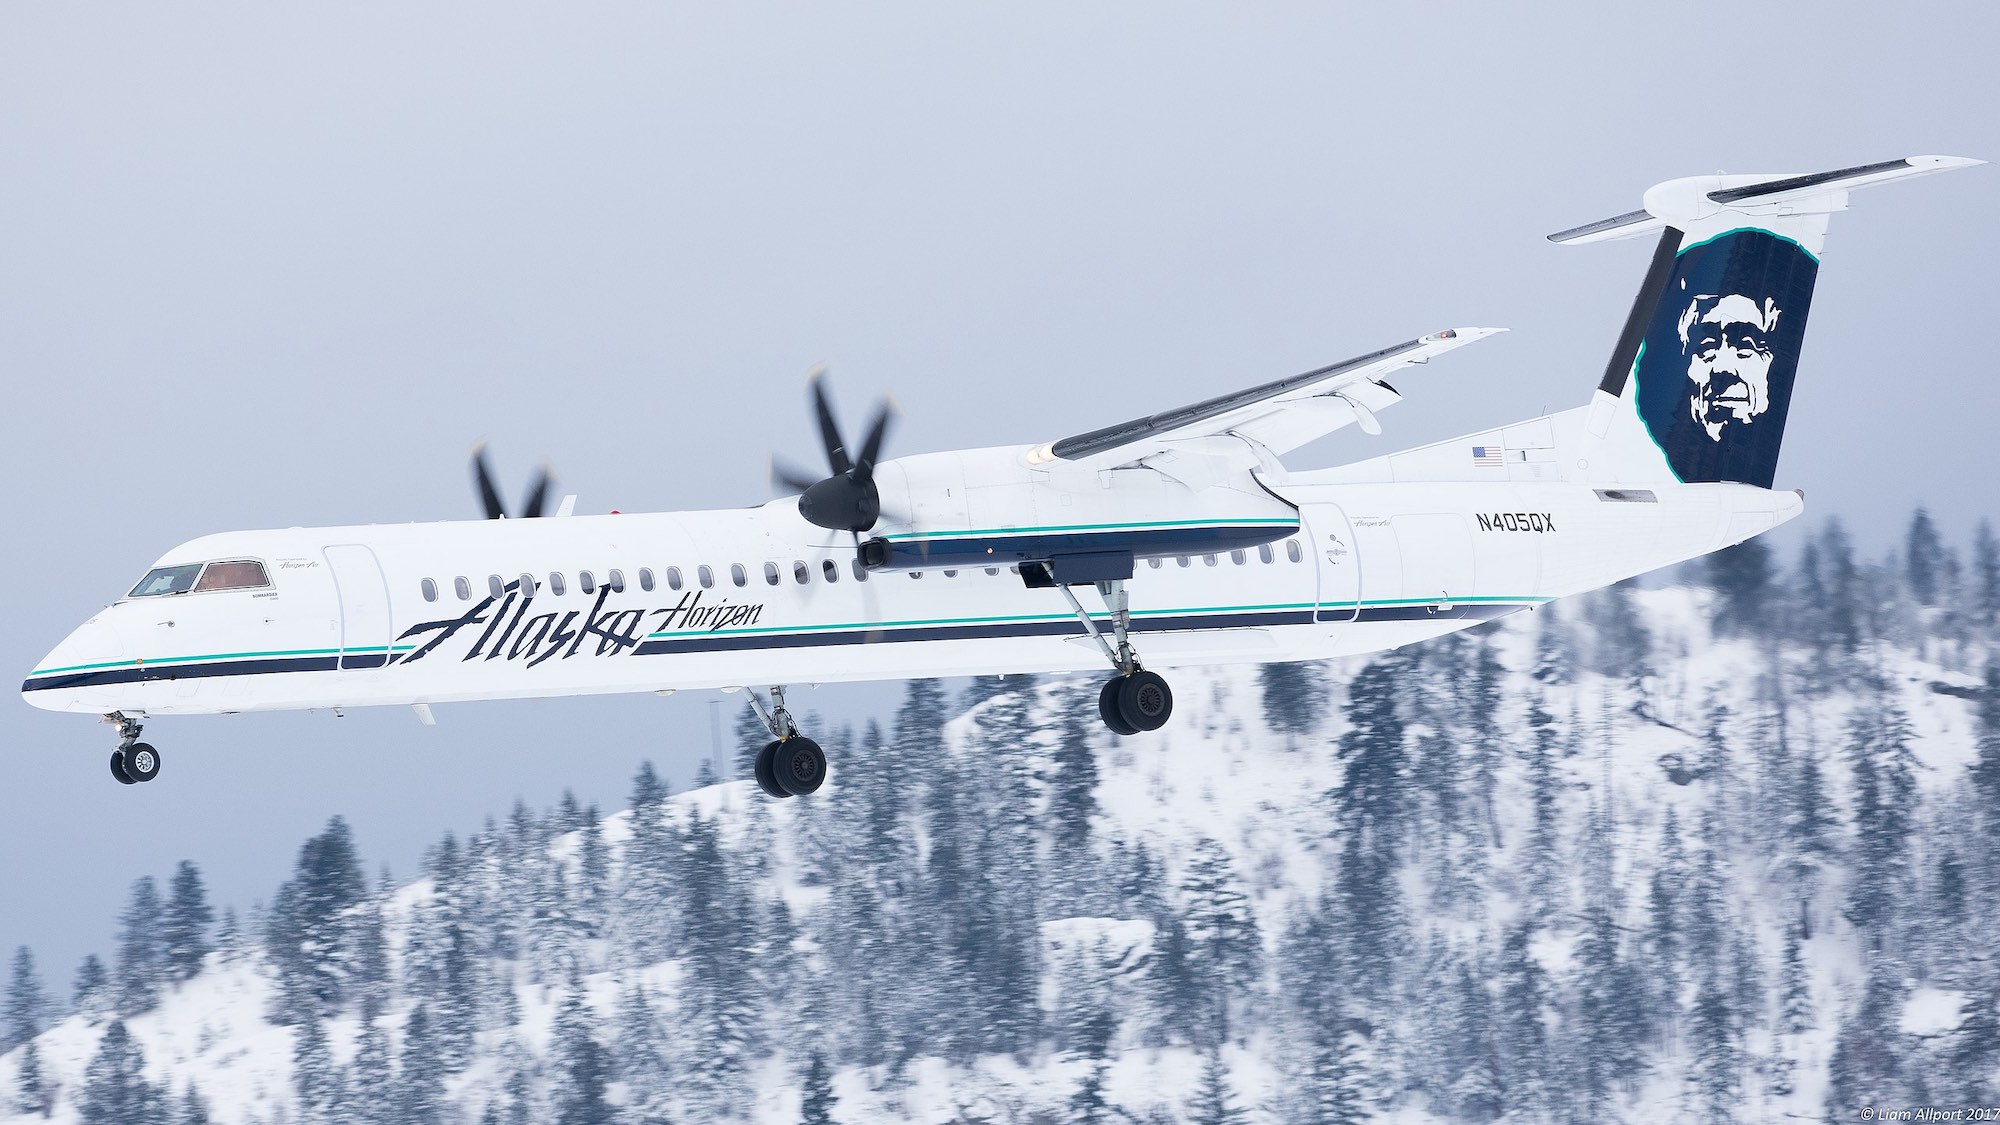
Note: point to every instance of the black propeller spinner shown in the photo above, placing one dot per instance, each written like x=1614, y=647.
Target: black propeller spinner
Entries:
x=847, y=500
x=537, y=503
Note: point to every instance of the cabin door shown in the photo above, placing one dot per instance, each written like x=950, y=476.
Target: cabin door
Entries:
x=1330, y=547
x=365, y=629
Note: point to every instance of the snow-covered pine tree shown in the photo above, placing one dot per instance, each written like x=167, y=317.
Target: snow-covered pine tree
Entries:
x=141, y=954
x=1924, y=561
x=420, y=1096
x=1741, y=579
x=91, y=993
x=1370, y=814
x=584, y=1065
x=1523, y=1026
x=748, y=736
x=34, y=1095
x=816, y=1097
x=1543, y=873
x=639, y=1052
x=1983, y=581
x=373, y=1091
x=321, y=1088
x=1867, y=1064
x=1214, y=1102
x=27, y=1003
x=115, y=1090
x=184, y=925
x=193, y=1109
x=307, y=931
x=1294, y=696
x=1074, y=874
x=1224, y=946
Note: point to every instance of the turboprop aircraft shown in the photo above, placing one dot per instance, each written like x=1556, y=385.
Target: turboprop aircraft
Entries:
x=1170, y=540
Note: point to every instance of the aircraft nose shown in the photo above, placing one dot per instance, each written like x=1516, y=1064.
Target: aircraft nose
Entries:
x=52, y=684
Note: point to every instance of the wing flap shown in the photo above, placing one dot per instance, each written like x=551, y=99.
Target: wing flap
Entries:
x=1278, y=416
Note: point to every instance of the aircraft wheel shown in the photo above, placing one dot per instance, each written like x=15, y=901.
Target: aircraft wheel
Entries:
x=118, y=768
x=1107, y=708
x=1144, y=700
x=142, y=762
x=799, y=765
x=766, y=779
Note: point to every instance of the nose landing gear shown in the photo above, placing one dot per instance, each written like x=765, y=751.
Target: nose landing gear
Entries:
x=134, y=761
x=792, y=765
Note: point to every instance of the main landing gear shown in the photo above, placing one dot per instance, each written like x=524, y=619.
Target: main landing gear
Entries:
x=1134, y=700
x=792, y=765
x=134, y=761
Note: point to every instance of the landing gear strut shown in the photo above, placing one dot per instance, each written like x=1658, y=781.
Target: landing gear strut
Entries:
x=792, y=765
x=1134, y=700
x=134, y=761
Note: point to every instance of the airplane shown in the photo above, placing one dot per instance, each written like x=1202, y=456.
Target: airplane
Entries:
x=1170, y=540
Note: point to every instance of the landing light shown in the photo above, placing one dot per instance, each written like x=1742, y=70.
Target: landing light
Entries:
x=1042, y=454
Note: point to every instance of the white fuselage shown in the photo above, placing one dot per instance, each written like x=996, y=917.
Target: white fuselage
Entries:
x=346, y=621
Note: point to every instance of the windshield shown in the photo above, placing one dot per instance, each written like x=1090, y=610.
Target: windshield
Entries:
x=167, y=580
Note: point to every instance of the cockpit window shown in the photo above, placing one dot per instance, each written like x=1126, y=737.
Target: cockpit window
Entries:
x=202, y=578
x=167, y=580
x=237, y=574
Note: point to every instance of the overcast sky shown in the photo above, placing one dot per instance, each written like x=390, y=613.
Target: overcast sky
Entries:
x=274, y=265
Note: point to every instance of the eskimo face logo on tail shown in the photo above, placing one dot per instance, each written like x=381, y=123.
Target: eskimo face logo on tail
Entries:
x=1727, y=341
x=1715, y=373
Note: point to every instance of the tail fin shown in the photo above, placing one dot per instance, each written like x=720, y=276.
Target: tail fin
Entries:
x=1701, y=380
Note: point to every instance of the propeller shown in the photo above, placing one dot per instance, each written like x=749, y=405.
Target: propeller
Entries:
x=537, y=503
x=847, y=500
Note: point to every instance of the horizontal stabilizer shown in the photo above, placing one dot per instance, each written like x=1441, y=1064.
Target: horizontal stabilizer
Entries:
x=1678, y=202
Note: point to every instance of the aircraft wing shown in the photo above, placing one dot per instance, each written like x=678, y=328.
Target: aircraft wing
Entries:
x=1207, y=442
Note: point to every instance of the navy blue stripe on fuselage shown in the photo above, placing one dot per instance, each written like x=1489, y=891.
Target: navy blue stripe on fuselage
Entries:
x=147, y=673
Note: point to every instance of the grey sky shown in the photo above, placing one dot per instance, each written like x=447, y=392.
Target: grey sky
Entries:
x=264, y=266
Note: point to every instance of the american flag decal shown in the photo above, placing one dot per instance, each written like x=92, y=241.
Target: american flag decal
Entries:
x=1486, y=455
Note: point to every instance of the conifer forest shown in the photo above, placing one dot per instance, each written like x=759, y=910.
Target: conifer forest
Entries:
x=1724, y=842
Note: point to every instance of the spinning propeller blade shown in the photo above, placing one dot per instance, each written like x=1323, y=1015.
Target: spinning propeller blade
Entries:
x=489, y=494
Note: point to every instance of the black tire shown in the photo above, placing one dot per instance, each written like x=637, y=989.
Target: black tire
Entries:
x=800, y=765
x=118, y=768
x=1107, y=708
x=767, y=780
x=142, y=762
x=1144, y=700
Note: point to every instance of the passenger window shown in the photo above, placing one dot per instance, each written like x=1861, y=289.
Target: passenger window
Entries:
x=495, y=587
x=860, y=572
x=1155, y=562
x=737, y=575
x=1183, y=560
x=916, y=574
x=1208, y=560
x=831, y=571
x=430, y=590
x=242, y=574
x=801, y=573
x=615, y=580
x=706, y=575
x=646, y=579
x=771, y=576
x=462, y=588
x=586, y=582
x=527, y=585
x=1264, y=552
x=556, y=584
x=166, y=580
x=992, y=572
x=1292, y=550
x=951, y=574
x=673, y=578
x=1238, y=557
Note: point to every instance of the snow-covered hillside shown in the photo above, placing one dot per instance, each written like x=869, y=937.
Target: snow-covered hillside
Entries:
x=1591, y=862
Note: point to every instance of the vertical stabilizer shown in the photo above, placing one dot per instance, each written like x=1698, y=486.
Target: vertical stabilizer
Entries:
x=1700, y=383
